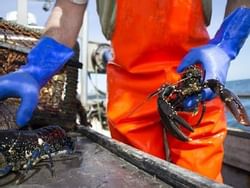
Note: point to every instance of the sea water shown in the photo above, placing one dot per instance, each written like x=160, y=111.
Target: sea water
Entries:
x=242, y=89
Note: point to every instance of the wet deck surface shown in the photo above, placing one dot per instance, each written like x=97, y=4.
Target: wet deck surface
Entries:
x=91, y=166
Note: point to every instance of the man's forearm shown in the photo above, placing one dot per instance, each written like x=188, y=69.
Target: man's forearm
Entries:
x=65, y=22
x=232, y=4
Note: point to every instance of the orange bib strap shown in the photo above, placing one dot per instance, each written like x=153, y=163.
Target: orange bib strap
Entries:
x=148, y=29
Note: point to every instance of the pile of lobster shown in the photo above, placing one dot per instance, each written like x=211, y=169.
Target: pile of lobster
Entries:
x=20, y=150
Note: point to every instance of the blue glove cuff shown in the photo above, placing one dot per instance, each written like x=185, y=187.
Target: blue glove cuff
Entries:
x=46, y=59
x=233, y=32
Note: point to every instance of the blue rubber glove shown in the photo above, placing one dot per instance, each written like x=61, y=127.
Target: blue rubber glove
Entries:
x=215, y=57
x=43, y=61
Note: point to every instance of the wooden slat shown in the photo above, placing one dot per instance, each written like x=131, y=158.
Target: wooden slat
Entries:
x=237, y=150
x=21, y=49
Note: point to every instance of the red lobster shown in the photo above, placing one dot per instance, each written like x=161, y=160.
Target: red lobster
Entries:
x=171, y=97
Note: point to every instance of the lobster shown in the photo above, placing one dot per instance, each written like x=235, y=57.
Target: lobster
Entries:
x=22, y=149
x=171, y=97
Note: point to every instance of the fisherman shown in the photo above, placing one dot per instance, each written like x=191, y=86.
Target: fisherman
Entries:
x=153, y=42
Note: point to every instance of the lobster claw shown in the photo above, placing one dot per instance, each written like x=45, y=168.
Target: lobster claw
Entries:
x=231, y=100
x=172, y=121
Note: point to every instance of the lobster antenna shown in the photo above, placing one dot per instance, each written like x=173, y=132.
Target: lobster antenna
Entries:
x=150, y=96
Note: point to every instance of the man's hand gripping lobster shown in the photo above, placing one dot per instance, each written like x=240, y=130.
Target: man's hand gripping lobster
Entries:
x=199, y=86
x=190, y=89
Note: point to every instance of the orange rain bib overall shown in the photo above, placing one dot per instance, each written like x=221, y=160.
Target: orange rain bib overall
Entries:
x=149, y=41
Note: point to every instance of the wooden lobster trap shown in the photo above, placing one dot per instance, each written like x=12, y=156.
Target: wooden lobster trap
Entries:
x=58, y=98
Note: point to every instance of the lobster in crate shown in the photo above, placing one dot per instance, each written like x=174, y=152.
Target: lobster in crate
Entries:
x=58, y=103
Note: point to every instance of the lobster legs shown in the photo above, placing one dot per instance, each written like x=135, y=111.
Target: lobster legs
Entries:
x=172, y=121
